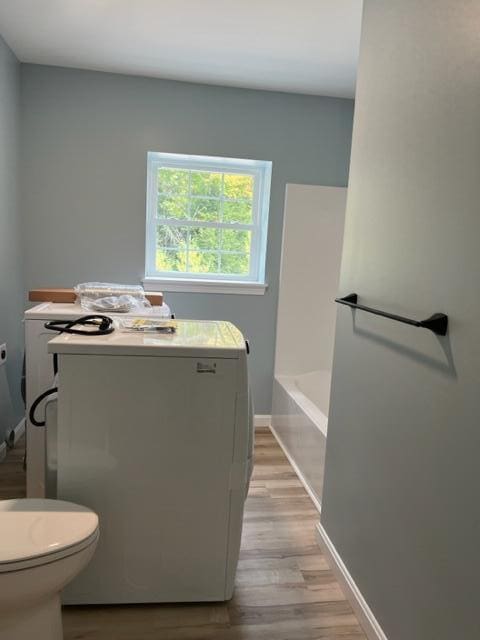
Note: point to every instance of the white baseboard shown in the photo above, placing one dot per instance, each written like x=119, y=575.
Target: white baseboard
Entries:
x=365, y=616
x=16, y=433
x=3, y=451
x=262, y=420
x=300, y=475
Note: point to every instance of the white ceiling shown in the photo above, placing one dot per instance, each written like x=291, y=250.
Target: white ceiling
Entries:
x=300, y=46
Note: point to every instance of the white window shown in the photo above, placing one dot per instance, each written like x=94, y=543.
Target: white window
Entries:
x=207, y=223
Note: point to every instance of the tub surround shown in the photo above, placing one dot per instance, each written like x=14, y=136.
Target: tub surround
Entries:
x=311, y=391
x=312, y=245
x=300, y=426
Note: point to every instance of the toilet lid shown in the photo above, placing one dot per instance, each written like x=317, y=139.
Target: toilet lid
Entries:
x=31, y=528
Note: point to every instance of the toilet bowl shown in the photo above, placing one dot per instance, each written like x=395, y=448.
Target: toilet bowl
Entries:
x=44, y=544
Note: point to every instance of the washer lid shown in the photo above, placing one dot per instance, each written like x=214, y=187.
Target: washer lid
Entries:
x=31, y=528
x=193, y=338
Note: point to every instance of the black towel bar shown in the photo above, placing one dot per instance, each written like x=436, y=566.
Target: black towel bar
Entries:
x=438, y=323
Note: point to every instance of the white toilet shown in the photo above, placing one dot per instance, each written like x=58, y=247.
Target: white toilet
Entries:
x=44, y=544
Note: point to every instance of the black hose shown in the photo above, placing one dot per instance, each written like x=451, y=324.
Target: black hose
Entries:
x=31, y=413
x=104, y=325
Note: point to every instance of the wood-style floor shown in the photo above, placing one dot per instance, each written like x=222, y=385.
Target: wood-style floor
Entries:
x=284, y=588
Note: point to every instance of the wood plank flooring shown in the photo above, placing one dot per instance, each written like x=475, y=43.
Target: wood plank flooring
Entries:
x=284, y=588
x=12, y=473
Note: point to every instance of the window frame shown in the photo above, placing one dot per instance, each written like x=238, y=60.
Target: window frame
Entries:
x=261, y=172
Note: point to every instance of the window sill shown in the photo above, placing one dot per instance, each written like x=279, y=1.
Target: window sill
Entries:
x=204, y=286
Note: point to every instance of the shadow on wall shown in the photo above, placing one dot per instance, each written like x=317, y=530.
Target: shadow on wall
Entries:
x=444, y=366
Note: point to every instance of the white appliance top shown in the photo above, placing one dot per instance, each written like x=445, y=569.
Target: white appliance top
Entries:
x=193, y=338
x=31, y=528
x=67, y=310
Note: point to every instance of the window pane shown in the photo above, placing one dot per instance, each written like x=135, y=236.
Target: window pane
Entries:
x=238, y=186
x=171, y=260
x=205, y=210
x=172, y=207
x=236, y=240
x=233, y=264
x=171, y=237
x=239, y=211
x=205, y=183
x=172, y=181
x=203, y=262
x=204, y=238
x=207, y=216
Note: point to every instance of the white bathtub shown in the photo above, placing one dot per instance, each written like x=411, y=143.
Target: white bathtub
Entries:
x=299, y=421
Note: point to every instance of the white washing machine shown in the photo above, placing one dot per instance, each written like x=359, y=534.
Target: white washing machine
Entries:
x=39, y=376
x=153, y=433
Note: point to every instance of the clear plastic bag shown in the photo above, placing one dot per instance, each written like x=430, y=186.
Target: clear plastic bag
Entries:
x=111, y=298
x=147, y=325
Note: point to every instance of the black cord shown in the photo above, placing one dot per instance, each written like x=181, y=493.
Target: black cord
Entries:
x=31, y=413
x=103, y=324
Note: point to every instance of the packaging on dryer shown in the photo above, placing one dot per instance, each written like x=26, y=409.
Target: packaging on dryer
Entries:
x=110, y=297
x=146, y=325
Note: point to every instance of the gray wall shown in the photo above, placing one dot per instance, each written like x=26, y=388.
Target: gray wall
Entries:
x=86, y=136
x=11, y=254
x=402, y=487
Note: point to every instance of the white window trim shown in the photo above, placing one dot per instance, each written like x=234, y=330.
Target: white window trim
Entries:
x=204, y=286
x=254, y=283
